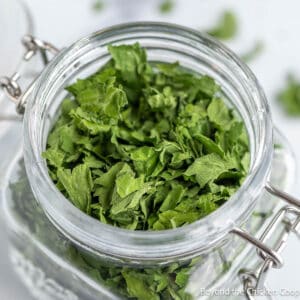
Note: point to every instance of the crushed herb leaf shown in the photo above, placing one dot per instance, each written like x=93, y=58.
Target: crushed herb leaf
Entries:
x=289, y=97
x=161, y=282
x=166, y=6
x=98, y=5
x=168, y=282
x=146, y=147
x=254, y=52
x=226, y=27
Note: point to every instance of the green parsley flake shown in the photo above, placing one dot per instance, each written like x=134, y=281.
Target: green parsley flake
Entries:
x=166, y=6
x=98, y=5
x=254, y=52
x=226, y=28
x=146, y=147
x=290, y=97
x=161, y=282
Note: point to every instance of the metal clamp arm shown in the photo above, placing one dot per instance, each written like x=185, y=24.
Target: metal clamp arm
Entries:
x=289, y=217
x=11, y=85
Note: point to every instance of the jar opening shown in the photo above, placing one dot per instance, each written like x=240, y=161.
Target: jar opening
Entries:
x=166, y=43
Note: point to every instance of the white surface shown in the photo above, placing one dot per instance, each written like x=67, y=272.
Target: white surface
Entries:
x=12, y=30
x=275, y=22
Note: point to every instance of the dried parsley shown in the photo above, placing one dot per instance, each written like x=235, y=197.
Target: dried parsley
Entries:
x=166, y=282
x=289, y=97
x=226, y=27
x=146, y=147
x=161, y=282
x=166, y=6
x=254, y=52
x=98, y=5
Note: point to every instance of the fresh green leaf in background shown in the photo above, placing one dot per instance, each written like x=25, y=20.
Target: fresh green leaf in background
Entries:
x=289, y=97
x=226, y=27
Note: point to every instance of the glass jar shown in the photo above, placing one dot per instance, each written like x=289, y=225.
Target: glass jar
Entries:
x=61, y=253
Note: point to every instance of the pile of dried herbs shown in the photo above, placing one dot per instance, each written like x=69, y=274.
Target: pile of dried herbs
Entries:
x=159, y=283
x=146, y=147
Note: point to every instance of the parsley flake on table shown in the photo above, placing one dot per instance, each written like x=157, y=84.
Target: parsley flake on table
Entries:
x=98, y=5
x=226, y=27
x=146, y=146
x=166, y=6
x=254, y=52
x=289, y=97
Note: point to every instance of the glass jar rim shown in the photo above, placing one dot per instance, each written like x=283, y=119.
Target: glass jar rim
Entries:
x=145, y=245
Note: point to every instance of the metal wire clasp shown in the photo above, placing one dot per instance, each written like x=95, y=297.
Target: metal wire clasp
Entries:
x=11, y=85
x=288, y=216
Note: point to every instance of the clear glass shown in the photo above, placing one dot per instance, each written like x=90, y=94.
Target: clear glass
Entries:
x=15, y=22
x=84, y=258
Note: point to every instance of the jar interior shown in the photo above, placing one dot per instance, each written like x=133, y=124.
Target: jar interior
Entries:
x=161, y=51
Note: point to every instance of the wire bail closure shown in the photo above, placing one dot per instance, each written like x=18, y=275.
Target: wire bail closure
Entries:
x=11, y=85
x=254, y=281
